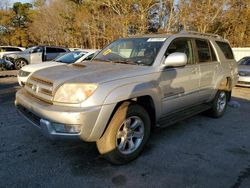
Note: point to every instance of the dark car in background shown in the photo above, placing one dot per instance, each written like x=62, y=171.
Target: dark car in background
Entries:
x=36, y=54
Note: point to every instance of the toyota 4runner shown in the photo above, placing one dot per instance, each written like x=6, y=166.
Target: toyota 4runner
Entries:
x=130, y=87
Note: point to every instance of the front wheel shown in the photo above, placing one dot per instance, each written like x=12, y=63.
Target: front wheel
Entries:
x=219, y=104
x=126, y=134
x=20, y=63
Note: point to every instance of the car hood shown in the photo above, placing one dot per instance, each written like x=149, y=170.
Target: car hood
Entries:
x=90, y=72
x=39, y=66
x=244, y=68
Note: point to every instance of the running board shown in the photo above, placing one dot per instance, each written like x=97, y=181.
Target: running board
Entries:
x=181, y=115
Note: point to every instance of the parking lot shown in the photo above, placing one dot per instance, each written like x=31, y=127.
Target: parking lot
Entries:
x=197, y=152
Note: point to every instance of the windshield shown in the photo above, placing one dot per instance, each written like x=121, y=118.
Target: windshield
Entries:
x=244, y=61
x=141, y=51
x=70, y=57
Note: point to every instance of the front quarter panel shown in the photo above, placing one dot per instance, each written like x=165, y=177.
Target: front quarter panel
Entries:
x=136, y=89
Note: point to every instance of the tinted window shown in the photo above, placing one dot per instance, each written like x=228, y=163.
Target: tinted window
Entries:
x=226, y=49
x=55, y=50
x=203, y=51
x=184, y=46
x=51, y=50
x=60, y=50
x=11, y=49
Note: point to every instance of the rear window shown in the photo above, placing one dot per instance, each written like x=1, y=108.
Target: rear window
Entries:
x=226, y=49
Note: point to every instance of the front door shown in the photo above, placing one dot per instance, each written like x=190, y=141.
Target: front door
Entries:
x=36, y=55
x=180, y=86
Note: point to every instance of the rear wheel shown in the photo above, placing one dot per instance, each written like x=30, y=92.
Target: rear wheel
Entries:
x=20, y=63
x=219, y=104
x=126, y=135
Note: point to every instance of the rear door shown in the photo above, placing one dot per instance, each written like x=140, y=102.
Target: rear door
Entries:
x=180, y=85
x=209, y=67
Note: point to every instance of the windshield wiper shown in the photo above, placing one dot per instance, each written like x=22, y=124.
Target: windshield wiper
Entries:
x=129, y=62
x=98, y=59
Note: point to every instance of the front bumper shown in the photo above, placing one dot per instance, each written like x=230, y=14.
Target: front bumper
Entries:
x=45, y=116
x=244, y=81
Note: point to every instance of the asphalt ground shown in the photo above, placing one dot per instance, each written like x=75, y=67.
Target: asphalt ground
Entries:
x=197, y=152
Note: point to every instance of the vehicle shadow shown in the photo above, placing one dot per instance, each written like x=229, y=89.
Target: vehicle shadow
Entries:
x=8, y=91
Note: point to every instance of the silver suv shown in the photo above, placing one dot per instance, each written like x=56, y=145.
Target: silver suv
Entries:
x=36, y=54
x=130, y=87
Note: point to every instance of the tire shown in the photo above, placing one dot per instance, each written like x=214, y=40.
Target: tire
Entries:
x=2, y=67
x=120, y=144
x=219, y=104
x=20, y=63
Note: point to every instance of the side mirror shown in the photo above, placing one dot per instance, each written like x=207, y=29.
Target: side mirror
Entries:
x=176, y=59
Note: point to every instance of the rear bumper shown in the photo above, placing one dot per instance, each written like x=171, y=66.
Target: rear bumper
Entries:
x=47, y=117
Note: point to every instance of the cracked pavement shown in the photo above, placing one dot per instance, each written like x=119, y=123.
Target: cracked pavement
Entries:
x=197, y=152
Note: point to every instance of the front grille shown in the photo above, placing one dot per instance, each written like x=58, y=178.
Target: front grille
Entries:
x=29, y=115
x=42, y=81
x=40, y=88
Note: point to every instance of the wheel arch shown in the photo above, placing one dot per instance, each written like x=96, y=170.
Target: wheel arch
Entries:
x=145, y=101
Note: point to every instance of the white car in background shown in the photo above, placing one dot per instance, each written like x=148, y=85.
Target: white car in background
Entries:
x=9, y=49
x=69, y=58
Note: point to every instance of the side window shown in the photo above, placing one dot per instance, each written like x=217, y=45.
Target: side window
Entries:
x=37, y=50
x=60, y=50
x=203, y=50
x=182, y=45
x=89, y=57
x=51, y=50
x=226, y=49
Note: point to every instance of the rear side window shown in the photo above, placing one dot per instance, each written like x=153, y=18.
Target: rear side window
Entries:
x=60, y=50
x=203, y=51
x=51, y=50
x=226, y=49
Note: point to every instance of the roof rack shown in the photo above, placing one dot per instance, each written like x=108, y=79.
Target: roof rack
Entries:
x=201, y=34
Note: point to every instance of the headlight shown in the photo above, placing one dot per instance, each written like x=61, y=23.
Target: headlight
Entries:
x=22, y=73
x=74, y=93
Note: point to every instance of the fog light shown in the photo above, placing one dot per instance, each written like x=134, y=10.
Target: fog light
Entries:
x=61, y=128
